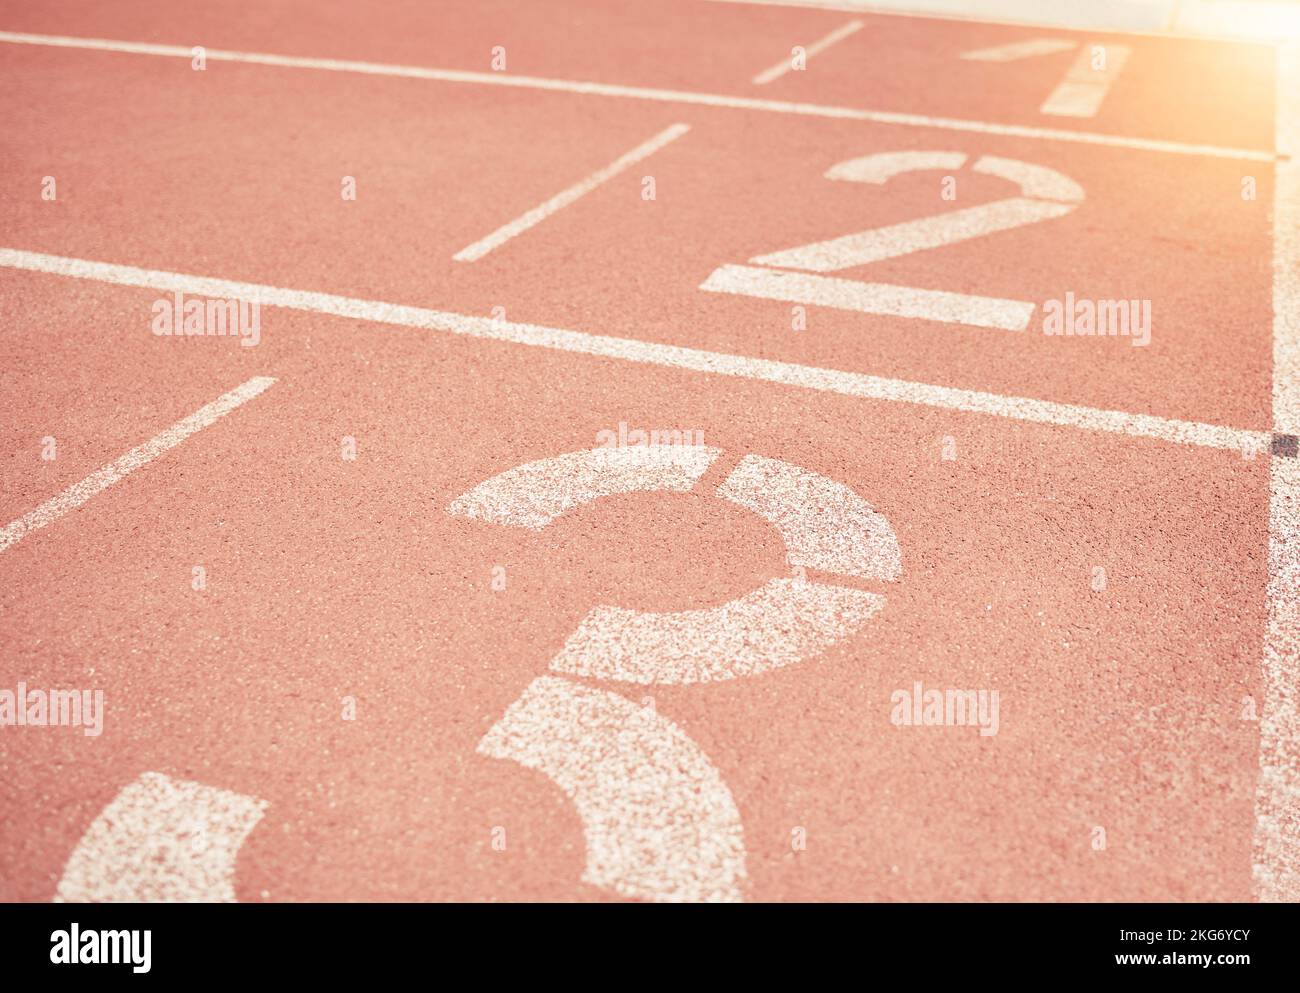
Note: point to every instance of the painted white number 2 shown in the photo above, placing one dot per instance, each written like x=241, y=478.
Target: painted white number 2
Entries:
x=1045, y=194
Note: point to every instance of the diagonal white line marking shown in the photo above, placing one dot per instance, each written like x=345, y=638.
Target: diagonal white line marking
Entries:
x=1277, y=796
x=653, y=353
x=77, y=494
x=643, y=93
x=1083, y=89
x=785, y=65
x=561, y=200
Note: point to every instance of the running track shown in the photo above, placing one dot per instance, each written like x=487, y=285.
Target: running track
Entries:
x=381, y=690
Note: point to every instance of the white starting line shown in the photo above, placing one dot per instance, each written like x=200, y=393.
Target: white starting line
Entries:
x=785, y=65
x=853, y=384
x=77, y=494
x=561, y=200
x=642, y=93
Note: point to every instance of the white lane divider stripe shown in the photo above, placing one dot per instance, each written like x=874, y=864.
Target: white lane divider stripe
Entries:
x=161, y=840
x=77, y=494
x=782, y=622
x=660, y=824
x=1032, y=48
x=1084, y=87
x=825, y=524
x=1277, y=797
x=642, y=93
x=870, y=298
x=653, y=353
x=561, y=200
x=785, y=65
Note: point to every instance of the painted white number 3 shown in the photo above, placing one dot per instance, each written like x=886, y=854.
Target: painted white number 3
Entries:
x=1045, y=194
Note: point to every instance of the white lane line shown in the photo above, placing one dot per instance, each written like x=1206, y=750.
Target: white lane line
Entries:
x=535, y=493
x=870, y=298
x=561, y=200
x=785, y=65
x=1087, y=81
x=653, y=353
x=644, y=93
x=77, y=494
x=1277, y=797
x=825, y=524
x=782, y=622
x=1030, y=49
x=659, y=822
x=161, y=840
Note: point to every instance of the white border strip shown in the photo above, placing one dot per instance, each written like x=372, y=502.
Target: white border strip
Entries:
x=1277, y=797
x=653, y=353
x=645, y=93
x=77, y=494
x=786, y=64
x=561, y=200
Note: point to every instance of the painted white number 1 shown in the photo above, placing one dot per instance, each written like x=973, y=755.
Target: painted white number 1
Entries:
x=1045, y=194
